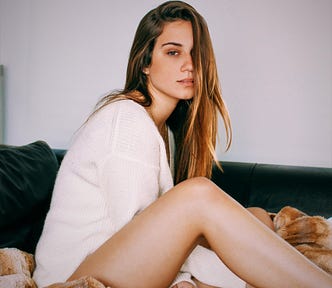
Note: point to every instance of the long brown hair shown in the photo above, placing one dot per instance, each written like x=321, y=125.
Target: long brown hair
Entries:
x=193, y=122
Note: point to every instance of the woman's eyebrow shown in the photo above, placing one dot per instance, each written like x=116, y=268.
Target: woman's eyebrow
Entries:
x=171, y=43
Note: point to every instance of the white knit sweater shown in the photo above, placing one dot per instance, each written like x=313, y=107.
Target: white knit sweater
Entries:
x=116, y=166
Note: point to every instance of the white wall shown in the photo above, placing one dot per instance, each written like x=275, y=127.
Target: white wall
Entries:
x=274, y=59
x=2, y=106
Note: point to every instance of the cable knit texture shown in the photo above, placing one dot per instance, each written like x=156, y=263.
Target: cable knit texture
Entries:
x=116, y=166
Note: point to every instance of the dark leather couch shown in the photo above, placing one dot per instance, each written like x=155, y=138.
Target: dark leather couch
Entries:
x=272, y=186
x=27, y=175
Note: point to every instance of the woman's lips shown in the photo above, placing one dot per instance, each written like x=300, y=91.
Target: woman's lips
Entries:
x=186, y=82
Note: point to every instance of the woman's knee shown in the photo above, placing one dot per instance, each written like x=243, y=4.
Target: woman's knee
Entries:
x=262, y=215
x=201, y=190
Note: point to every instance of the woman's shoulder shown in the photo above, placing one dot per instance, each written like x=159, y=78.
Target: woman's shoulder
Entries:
x=124, y=115
x=124, y=104
x=128, y=129
x=123, y=108
x=121, y=121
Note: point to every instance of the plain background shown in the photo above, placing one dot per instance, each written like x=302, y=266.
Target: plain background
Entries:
x=274, y=61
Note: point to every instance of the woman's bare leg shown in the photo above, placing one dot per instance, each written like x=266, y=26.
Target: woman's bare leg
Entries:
x=150, y=249
x=261, y=215
x=265, y=218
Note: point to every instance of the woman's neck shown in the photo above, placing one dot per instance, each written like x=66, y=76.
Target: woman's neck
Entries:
x=160, y=112
x=163, y=131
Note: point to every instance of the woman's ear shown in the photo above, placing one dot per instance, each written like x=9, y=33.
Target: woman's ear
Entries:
x=146, y=70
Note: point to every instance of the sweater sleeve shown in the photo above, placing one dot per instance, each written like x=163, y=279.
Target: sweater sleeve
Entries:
x=128, y=188
x=183, y=277
x=129, y=174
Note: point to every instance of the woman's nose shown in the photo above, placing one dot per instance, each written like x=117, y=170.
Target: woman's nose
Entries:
x=188, y=64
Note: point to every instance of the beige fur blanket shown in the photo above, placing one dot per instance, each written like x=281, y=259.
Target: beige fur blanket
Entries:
x=16, y=269
x=311, y=235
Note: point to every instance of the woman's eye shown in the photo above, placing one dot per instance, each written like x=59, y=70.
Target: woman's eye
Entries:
x=172, y=53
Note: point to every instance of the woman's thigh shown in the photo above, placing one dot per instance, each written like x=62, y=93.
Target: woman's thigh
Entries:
x=151, y=248
x=261, y=215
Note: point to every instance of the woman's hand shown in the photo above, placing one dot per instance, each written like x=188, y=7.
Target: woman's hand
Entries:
x=183, y=284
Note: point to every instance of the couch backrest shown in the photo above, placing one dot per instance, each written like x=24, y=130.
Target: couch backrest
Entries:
x=273, y=186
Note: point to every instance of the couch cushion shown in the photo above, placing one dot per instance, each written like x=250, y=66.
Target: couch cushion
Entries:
x=27, y=175
x=309, y=189
x=235, y=179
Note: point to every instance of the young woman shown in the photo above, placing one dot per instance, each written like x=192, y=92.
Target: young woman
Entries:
x=115, y=213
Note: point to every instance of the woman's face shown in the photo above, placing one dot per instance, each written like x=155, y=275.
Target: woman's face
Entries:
x=170, y=74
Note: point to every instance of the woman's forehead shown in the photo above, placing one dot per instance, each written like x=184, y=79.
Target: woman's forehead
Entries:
x=177, y=32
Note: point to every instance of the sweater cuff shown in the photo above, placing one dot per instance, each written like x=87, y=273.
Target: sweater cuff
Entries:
x=183, y=276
